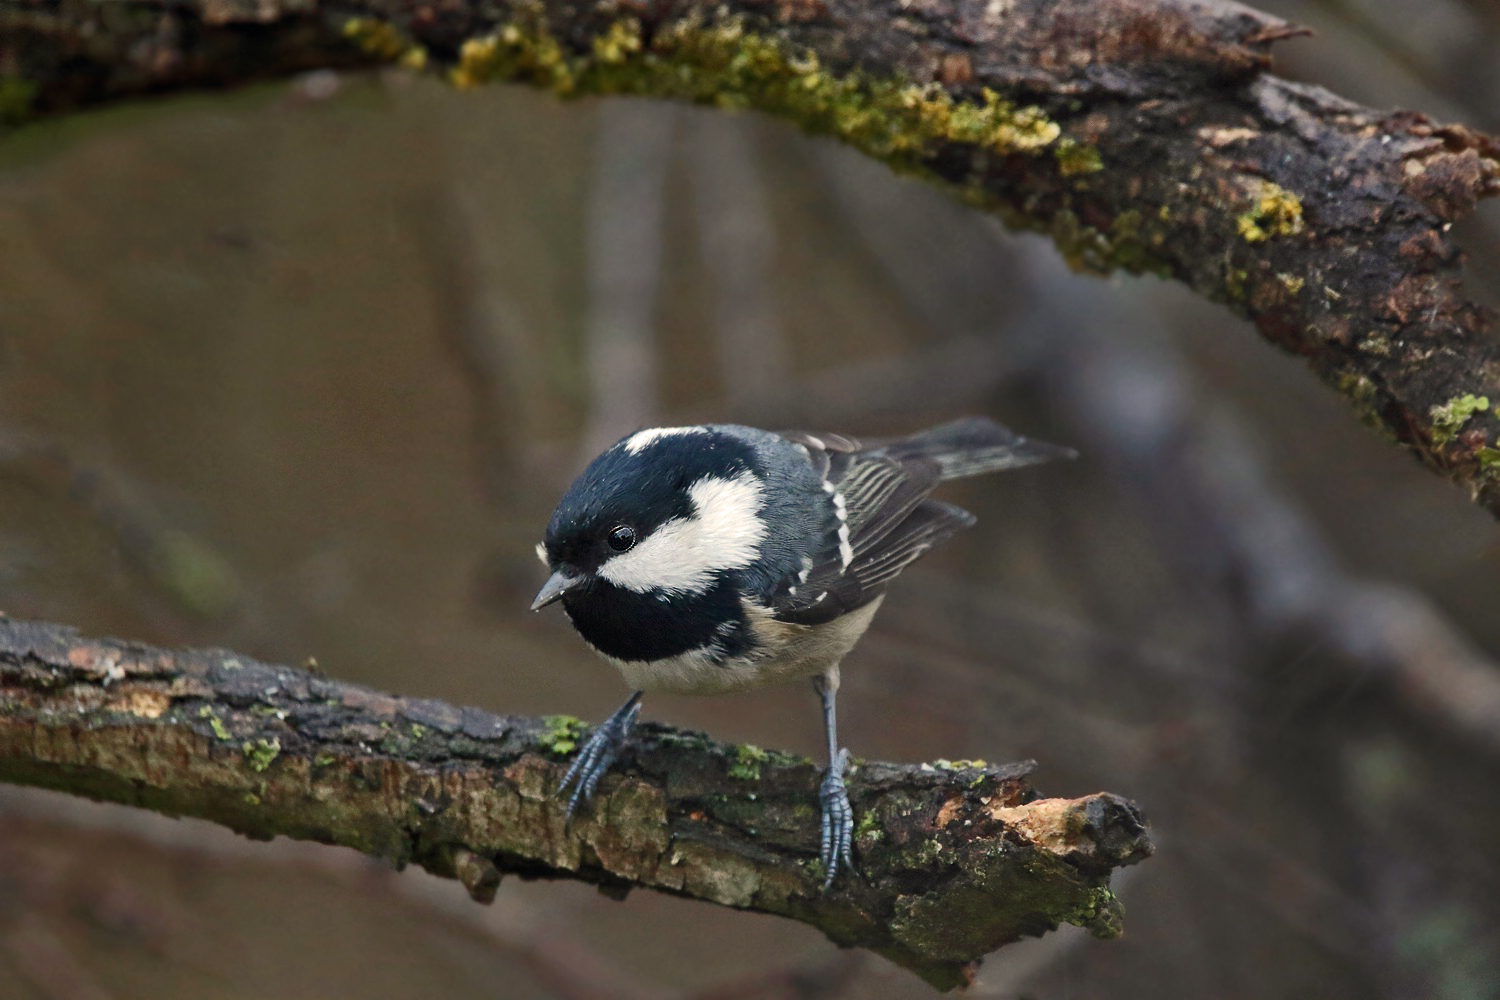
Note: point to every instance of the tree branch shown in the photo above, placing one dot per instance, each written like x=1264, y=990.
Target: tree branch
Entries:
x=1141, y=134
x=954, y=862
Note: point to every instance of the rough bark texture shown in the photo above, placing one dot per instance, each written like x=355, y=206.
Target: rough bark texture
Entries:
x=1143, y=134
x=954, y=861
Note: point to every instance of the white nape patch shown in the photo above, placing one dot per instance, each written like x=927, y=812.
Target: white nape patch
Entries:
x=807, y=565
x=641, y=439
x=817, y=443
x=541, y=553
x=683, y=554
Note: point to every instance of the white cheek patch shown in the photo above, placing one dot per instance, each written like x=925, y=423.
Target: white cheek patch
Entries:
x=641, y=439
x=683, y=554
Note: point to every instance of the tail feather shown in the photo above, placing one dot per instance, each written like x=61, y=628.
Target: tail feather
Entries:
x=973, y=446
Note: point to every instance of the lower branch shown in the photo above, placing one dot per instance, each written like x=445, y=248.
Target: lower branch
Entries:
x=954, y=861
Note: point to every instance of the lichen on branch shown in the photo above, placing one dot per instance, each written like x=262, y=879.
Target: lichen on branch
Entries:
x=1143, y=135
x=954, y=861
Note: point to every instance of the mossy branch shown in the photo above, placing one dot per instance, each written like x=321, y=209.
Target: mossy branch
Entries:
x=1147, y=135
x=954, y=861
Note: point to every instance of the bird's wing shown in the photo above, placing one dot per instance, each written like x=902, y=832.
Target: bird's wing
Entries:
x=882, y=520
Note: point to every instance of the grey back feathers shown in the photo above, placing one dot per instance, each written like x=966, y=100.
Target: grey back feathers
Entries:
x=883, y=516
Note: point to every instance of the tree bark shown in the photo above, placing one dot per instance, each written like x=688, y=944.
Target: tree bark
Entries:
x=1141, y=134
x=953, y=861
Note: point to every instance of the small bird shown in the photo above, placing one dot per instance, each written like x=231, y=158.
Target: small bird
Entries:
x=716, y=558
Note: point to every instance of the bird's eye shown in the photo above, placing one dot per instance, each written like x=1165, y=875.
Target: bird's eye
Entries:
x=622, y=538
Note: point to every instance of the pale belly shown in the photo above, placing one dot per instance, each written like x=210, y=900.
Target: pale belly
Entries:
x=791, y=652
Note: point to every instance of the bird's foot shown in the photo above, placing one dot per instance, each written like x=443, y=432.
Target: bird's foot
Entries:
x=596, y=755
x=838, y=820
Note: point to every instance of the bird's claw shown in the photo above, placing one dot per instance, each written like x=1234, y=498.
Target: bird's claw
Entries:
x=595, y=757
x=838, y=820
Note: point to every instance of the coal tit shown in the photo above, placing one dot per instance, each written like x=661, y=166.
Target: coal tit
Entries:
x=715, y=558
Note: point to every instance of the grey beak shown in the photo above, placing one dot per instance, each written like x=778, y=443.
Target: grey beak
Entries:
x=558, y=584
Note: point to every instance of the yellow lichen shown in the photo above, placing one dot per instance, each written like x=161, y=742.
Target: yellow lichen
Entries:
x=1274, y=211
x=378, y=38
x=1074, y=158
x=957, y=765
x=1234, y=282
x=385, y=41
x=1291, y=282
x=725, y=64
x=414, y=59
x=620, y=42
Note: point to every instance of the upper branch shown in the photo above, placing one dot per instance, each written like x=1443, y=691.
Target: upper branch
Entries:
x=1143, y=134
x=953, y=862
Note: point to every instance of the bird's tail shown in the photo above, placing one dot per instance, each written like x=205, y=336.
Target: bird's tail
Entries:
x=973, y=446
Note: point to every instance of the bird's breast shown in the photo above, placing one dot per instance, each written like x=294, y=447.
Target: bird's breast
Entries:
x=776, y=652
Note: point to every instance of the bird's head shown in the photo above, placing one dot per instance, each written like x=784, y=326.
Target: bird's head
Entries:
x=664, y=512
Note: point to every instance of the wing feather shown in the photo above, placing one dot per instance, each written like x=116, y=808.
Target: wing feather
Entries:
x=881, y=516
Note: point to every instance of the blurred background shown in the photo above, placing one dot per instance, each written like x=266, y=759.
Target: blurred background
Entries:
x=301, y=371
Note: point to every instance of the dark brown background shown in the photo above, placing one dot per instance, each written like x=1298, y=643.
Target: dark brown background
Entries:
x=301, y=370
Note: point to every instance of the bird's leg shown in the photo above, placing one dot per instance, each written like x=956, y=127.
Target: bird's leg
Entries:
x=838, y=814
x=599, y=752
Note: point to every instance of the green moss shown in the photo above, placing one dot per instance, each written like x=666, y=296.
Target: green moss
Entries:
x=1074, y=158
x=16, y=96
x=324, y=759
x=261, y=753
x=1085, y=247
x=869, y=828
x=1274, y=211
x=924, y=856
x=1489, y=460
x=1448, y=418
x=747, y=761
x=722, y=62
x=1100, y=913
x=1366, y=397
x=418, y=730
x=562, y=733
x=215, y=723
